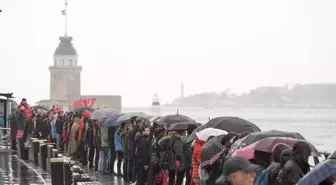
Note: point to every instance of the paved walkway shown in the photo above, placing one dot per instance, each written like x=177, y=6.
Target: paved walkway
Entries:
x=16, y=171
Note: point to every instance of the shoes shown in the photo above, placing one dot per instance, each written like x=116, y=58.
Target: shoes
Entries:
x=120, y=174
x=113, y=173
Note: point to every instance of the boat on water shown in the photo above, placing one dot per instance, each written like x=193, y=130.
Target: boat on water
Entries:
x=155, y=100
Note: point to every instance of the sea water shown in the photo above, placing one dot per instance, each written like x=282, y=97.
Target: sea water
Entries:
x=318, y=126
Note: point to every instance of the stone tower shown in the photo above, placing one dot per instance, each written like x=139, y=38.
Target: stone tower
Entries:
x=65, y=73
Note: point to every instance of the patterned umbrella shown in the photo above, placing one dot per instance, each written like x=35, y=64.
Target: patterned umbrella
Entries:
x=319, y=173
x=102, y=114
x=129, y=115
x=212, y=151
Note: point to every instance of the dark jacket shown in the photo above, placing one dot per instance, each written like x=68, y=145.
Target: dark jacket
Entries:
x=142, y=149
x=297, y=166
x=111, y=132
x=45, y=129
x=132, y=130
x=177, y=153
x=59, y=125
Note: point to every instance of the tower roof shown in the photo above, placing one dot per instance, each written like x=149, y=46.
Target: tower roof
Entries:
x=65, y=47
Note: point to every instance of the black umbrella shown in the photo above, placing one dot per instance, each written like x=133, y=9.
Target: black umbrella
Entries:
x=212, y=151
x=185, y=125
x=229, y=124
x=257, y=136
x=36, y=107
x=80, y=110
x=173, y=119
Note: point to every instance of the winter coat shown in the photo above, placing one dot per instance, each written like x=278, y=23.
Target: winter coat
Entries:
x=111, y=134
x=73, y=143
x=297, y=166
x=176, y=153
x=104, y=136
x=123, y=135
x=59, y=125
x=142, y=149
x=196, y=158
x=118, y=141
x=131, y=140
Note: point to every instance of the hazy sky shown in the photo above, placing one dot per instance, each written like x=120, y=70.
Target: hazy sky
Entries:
x=136, y=48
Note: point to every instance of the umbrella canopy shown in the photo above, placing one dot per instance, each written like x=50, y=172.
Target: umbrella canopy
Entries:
x=80, y=110
x=229, y=124
x=102, y=114
x=206, y=133
x=212, y=151
x=111, y=121
x=267, y=144
x=257, y=136
x=247, y=152
x=155, y=119
x=173, y=119
x=182, y=126
x=129, y=115
x=319, y=173
x=37, y=107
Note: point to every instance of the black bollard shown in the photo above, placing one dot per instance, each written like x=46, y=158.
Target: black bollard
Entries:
x=54, y=153
x=31, y=149
x=36, y=149
x=67, y=172
x=20, y=147
x=57, y=175
x=43, y=155
x=49, y=156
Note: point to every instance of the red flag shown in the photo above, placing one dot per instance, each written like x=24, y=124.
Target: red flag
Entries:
x=63, y=12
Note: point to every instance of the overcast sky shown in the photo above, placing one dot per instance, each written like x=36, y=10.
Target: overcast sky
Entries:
x=139, y=47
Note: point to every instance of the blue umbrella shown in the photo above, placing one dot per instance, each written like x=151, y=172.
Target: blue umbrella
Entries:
x=128, y=116
x=111, y=121
x=319, y=173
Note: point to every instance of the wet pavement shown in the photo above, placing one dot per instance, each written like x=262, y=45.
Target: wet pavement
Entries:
x=16, y=171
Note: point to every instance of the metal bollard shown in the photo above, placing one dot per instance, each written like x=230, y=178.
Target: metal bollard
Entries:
x=49, y=156
x=57, y=175
x=36, y=149
x=67, y=174
x=43, y=155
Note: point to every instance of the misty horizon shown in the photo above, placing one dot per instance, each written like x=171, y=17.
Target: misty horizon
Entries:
x=136, y=49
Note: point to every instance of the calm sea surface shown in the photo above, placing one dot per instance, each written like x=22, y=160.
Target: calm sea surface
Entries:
x=317, y=125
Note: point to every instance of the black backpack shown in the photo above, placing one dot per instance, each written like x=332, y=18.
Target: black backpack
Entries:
x=164, y=162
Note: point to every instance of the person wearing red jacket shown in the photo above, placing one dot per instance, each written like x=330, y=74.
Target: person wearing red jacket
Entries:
x=82, y=135
x=27, y=125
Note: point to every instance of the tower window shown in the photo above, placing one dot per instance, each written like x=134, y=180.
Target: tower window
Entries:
x=70, y=61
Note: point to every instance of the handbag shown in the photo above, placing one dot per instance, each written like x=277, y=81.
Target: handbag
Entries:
x=19, y=133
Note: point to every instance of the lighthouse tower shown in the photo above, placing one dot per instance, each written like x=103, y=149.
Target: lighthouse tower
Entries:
x=65, y=73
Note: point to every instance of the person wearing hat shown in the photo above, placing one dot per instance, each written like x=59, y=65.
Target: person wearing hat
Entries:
x=238, y=171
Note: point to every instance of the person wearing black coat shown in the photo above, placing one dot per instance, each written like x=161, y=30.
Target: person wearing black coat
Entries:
x=143, y=153
x=131, y=168
x=296, y=167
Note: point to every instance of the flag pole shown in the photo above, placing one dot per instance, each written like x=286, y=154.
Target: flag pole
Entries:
x=66, y=18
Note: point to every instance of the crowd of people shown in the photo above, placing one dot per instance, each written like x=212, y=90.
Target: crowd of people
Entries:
x=155, y=154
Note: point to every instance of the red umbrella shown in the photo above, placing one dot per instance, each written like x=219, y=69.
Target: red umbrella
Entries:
x=267, y=144
x=247, y=152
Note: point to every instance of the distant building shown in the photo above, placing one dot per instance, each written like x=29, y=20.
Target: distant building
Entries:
x=65, y=81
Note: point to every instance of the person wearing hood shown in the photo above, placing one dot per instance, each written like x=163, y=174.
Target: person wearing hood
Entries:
x=296, y=167
x=274, y=171
x=263, y=177
x=73, y=143
x=143, y=153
